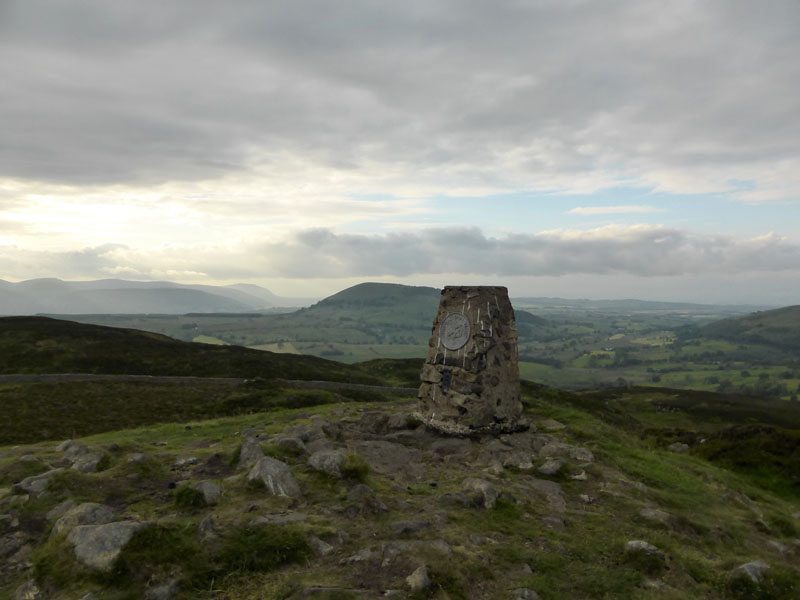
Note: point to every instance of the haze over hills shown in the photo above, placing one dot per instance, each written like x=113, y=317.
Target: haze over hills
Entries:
x=118, y=296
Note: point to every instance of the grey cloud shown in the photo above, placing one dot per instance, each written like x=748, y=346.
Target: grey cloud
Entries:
x=150, y=91
x=640, y=251
x=637, y=251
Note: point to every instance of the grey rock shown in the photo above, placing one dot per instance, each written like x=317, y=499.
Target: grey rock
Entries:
x=362, y=555
x=15, y=500
x=552, y=425
x=678, y=447
x=250, y=453
x=87, y=462
x=540, y=440
x=207, y=529
x=319, y=547
x=328, y=461
x=71, y=446
x=137, y=457
x=373, y=422
x=551, y=490
x=10, y=544
x=29, y=458
x=402, y=527
x=88, y=596
x=643, y=547
x=28, y=591
x=36, y=484
x=654, y=515
x=483, y=493
x=291, y=443
x=552, y=466
x=525, y=594
x=60, y=510
x=398, y=421
x=280, y=519
x=754, y=571
x=163, y=591
x=778, y=546
x=364, y=501
x=451, y=446
x=276, y=476
x=554, y=522
x=419, y=580
x=519, y=460
x=210, y=490
x=183, y=462
x=566, y=451
x=89, y=513
x=97, y=546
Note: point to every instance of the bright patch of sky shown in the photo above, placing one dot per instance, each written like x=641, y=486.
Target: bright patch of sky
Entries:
x=639, y=148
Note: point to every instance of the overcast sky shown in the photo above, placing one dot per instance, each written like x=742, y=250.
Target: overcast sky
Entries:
x=560, y=147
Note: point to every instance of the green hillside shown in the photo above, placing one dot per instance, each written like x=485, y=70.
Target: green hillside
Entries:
x=778, y=328
x=44, y=345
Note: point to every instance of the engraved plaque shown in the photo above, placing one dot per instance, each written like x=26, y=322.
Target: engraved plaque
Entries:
x=455, y=331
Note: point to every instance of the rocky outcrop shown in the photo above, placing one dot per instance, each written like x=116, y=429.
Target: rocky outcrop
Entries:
x=89, y=513
x=328, y=461
x=276, y=476
x=98, y=546
x=36, y=484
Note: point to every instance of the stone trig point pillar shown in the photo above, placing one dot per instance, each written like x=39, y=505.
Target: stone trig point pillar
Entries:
x=470, y=380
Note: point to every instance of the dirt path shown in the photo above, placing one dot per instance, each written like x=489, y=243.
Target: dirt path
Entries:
x=292, y=383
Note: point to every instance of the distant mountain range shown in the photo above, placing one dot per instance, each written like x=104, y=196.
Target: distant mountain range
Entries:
x=118, y=296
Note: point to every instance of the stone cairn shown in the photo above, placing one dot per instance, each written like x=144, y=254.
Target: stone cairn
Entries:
x=470, y=380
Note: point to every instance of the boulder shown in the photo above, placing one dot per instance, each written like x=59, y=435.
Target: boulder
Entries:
x=87, y=462
x=639, y=546
x=678, y=447
x=754, y=571
x=364, y=501
x=97, y=546
x=483, y=493
x=328, y=461
x=419, y=580
x=165, y=590
x=89, y=513
x=250, y=453
x=319, y=547
x=551, y=466
x=519, y=460
x=654, y=515
x=59, y=510
x=401, y=527
x=525, y=594
x=210, y=490
x=36, y=484
x=551, y=425
x=560, y=449
x=276, y=476
x=28, y=591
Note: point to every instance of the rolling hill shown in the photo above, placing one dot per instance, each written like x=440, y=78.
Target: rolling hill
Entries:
x=778, y=328
x=44, y=345
x=115, y=296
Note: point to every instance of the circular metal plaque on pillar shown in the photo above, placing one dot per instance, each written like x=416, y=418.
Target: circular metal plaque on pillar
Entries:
x=454, y=331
